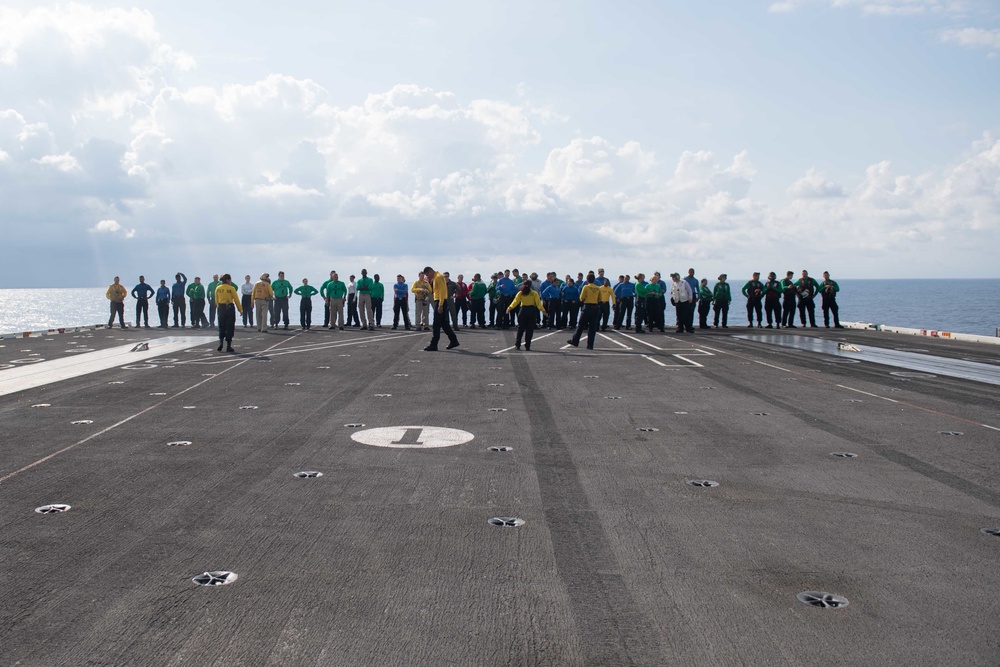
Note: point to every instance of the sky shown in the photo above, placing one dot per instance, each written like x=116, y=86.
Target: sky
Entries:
x=860, y=137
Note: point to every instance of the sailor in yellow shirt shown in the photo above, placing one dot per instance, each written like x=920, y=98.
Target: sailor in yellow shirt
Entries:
x=607, y=300
x=227, y=302
x=421, y=302
x=116, y=295
x=262, y=296
x=440, y=287
x=531, y=304
x=590, y=298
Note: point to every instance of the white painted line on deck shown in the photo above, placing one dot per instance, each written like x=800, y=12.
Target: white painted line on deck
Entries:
x=693, y=363
x=507, y=349
x=607, y=337
x=658, y=363
x=639, y=340
x=126, y=420
x=867, y=393
x=57, y=370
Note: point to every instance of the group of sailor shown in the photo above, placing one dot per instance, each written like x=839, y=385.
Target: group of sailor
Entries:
x=558, y=303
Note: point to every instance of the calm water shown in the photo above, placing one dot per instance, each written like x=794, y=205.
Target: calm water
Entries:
x=961, y=306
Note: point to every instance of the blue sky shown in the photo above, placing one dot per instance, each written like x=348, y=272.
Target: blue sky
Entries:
x=856, y=136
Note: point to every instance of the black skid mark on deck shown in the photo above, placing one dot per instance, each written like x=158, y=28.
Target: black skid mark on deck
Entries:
x=612, y=628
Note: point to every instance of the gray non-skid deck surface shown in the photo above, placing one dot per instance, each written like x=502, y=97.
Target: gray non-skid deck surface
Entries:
x=388, y=559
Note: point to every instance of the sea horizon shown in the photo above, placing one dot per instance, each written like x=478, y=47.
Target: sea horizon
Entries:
x=920, y=303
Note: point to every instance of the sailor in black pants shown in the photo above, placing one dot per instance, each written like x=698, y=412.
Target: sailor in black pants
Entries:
x=590, y=297
x=788, y=301
x=772, y=300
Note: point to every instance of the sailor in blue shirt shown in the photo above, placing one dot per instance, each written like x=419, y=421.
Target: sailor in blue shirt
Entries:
x=400, y=302
x=624, y=302
x=570, y=305
x=552, y=295
x=141, y=294
x=506, y=289
x=177, y=298
x=163, y=303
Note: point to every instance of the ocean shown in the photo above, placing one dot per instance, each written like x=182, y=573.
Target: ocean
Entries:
x=959, y=306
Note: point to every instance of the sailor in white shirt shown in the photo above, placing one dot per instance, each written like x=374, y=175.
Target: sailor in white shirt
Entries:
x=352, y=304
x=680, y=296
x=246, y=300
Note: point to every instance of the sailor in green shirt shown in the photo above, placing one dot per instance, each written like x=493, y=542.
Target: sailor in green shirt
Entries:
x=306, y=292
x=788, y=301
x=364, y=289
x=772, y=299
x=378, y=297
x=807, y=289
x=478, y=292
x=336, y=292
x=828, y=290
x=196, y=293
x=654, y=307
x=721, y=297
x=211, y=299
x=326, y=300
x=282, y=290
x=704, y=303
x=640, y=301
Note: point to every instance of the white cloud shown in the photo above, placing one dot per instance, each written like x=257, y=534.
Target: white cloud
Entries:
x=973, y=38
x=815, y=185
x=275, y=168
x=112, y=227
x=879, y=7
x=64, y=162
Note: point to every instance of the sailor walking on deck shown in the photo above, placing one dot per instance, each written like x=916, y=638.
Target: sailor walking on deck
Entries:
x=227, y=302
x=530, y=304
x=441, y=313
x=590, y=297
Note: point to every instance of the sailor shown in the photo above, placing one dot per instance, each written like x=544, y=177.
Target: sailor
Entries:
x=246, y=296
x=364, y=303
x=196, y=293
x=607, y=299
x=282, y=291
x=722, y=296
x=788, y=301
x=655, y=301
x=753, y=290
x=227, y=301
x=625, y=301
x=326, y=300
x=693, y=284
x=262, y=295
x=378, y=298
x=352, y=303
x=210, y=295
x=506, y=289
x=640, y=301
x=704, y=303
x=449, y=305
x=807, y=288
x=305, y=292
x=462, y=299
x=400, y=302
x=680, y=296
x=478, y=293
x=590, y=298
x=141, y=294
x=772, y=299
x=440, y=311
x=828, y=291
x=552, y=300
x=163, y=303
x=570, y=304
x=421, y=302
x=491, y=293
x=530, y=303
x=336, y=290
x=177, y=299
x=116, y=295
